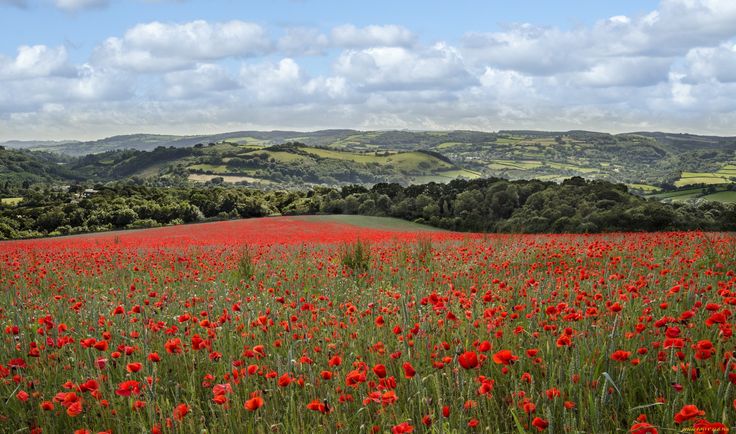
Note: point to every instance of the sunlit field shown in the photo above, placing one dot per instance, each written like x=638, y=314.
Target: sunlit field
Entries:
x=316, y=325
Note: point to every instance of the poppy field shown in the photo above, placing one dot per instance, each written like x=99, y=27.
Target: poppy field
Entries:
x=294, y=325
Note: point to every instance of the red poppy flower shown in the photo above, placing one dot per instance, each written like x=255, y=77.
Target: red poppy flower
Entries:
x=540, y=424
x=319, y=406
x=402, y=428
x=133, y=367
x=254, y=403
x=126, y=388
x=380, y=371
x=409, y=371
x=643, y=428
x=75, y=409
x=468, y=360
x=702, y=426
x=180, y=411
x=620, y=355
x=688, y=412
x=173, y=346
x=504, y=357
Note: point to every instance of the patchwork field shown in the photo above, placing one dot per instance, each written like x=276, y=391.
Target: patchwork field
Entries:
x=726, y=174
x=11, y=201
x=355, y=324
x=722, y=193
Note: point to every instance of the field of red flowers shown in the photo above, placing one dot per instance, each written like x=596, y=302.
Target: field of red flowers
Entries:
x=293, y=325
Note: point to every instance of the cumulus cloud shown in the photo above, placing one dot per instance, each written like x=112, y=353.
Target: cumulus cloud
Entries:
x=349, y=36
x=673, y=68
x=674, y=28
x=202, y=80
x=35, y=61
x=624, y=71
x=717, y=63
x=286, y=82
x=303, y=41
x=88, y=85
x=160, y=46
x=396, y=68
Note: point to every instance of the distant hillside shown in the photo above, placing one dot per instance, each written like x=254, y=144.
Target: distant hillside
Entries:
x=646, y=161
x=284, y=165
x=20, y=168
x=148, y=142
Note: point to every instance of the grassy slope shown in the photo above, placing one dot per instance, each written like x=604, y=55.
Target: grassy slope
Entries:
x=722, y=196
x=385, y=223
x=418, y=166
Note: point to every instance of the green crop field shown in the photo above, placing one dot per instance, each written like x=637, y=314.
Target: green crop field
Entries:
x=209, y=168
x=722, y=196
x=230, y=179
x=384, y=223
x=11, y=201
x=643, y=187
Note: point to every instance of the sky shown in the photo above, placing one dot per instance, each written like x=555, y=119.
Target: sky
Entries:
x=87, y=69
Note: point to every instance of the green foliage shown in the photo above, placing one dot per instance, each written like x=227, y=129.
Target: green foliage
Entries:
x=246, y=264
x=338, y=157
x=423, y=250
x=480, y=205
x=356, y=256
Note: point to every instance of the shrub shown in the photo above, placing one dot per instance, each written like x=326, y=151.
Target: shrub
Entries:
x=246, y=267
x=356, y=256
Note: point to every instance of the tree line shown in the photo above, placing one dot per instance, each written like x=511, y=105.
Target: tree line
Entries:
x=483, y=205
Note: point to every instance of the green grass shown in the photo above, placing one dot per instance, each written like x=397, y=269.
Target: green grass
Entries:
x=446, y=176
x=448, y=145
x=283, y=157
x=687, y=192
x=690, y=194
x=699, y=178
x=724, y=175
x=515, y=164
x=383, y=223
x=509, y=140
x=209, y=168
x=680, y=195
x=230, y=179
x=643, y=187
x=722, y=196
x=11, y=201
x=572, y=167
x=406, y=161
x=250, y=142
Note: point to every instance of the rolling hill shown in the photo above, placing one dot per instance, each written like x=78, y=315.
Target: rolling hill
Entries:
x=646, y=161
x=285, y=165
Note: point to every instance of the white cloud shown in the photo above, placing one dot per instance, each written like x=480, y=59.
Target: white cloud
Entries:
x=528, y=49
x=35, y=61
x=286, y=83
x=625, y=71
x=87, y=85
x=74, y=5
x=202, y=80
x=349, y=36
x=681, y=92
x=670, y=31
x=439, y=67
x=160, y=46
x=673, y=68
x=719, y=63
x=303, y=41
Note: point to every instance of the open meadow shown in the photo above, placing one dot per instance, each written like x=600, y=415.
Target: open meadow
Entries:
x=366, y=325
